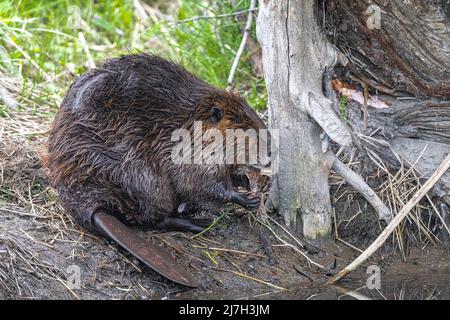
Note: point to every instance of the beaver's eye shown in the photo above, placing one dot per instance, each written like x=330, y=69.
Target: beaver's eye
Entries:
x=215, y=115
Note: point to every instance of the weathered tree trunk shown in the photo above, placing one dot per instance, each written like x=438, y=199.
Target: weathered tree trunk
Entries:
x=295, y=56
x=404, y=63
x=406, y=54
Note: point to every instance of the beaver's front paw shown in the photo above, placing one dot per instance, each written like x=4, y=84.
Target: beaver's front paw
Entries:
x=248, y=200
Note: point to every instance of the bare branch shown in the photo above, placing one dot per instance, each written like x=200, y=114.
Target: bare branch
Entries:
x=232, y=14
x=361, y=186
x=321, y=110
x=248, y=26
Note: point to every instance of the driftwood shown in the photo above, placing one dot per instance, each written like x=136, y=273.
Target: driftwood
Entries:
x=359, y=185
x=406, y=55
x=407, y=133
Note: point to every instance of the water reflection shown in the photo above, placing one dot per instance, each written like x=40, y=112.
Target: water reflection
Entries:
x=432, y=288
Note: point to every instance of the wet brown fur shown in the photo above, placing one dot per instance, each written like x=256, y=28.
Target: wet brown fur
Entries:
x=110, y=145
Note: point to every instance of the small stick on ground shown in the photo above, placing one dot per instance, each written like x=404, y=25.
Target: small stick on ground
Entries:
x=265, y=244
x=68, y=288
x=352, y=293
x=233, y=251
x=336, y=234
x=302, y=243
x=396, y=221
x=249, y=277
x=285, y=243
x=359, y=185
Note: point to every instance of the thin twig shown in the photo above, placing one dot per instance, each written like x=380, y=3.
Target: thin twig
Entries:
x=248, y=26
x=226, y=15
x=68, y=288
x=336, y=234
x=243, y=275
x=82, y=39
x=230, y=250
x=290, y=245
x=287, y=231
x=352, y=293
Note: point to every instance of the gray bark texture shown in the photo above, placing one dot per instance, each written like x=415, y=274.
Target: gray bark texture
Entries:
x=408, y=133
x=408, y=53
x=295, y=56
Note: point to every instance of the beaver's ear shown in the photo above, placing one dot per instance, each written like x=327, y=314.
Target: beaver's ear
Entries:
x=215, y=115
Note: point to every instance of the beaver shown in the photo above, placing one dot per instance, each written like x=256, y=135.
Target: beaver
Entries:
x=110, y=148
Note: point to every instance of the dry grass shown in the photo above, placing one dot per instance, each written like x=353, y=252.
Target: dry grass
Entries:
x=27, y=207
x=39, y=242
x=424, y=225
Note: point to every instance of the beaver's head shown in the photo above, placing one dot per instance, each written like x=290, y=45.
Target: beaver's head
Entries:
x=227, y=121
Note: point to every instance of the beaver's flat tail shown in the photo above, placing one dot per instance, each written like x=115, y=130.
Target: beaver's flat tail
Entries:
x=152, y=255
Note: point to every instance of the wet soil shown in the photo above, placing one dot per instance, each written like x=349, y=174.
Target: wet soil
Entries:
x=38, y=263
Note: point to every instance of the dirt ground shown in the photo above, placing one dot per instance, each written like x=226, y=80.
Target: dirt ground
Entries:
x=42, y=252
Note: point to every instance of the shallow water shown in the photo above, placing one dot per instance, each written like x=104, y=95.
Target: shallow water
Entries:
x=436, y=286
x=432, y=287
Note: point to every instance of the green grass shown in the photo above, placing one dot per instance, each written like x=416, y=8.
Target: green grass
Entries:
x=41, y=50
x=343, y=108
x=3, y=111
x=6, y=194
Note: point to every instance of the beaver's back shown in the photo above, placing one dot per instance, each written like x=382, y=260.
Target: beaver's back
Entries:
x=141, y=83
